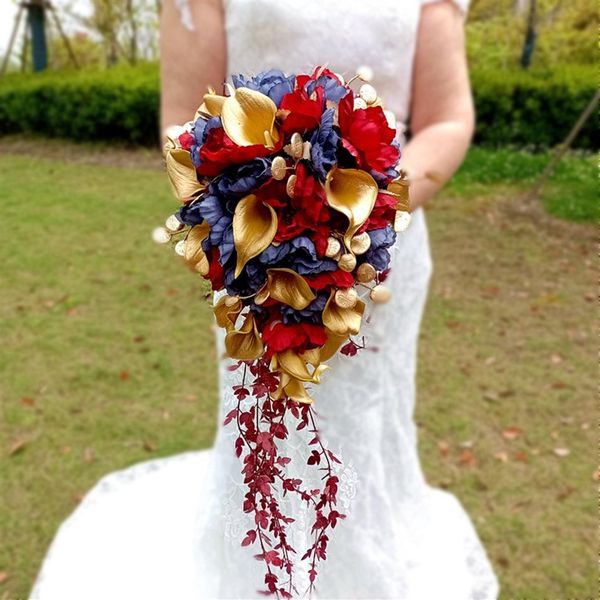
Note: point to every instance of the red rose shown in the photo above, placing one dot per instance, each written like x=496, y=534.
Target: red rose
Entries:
x=215, y=271
x=338, y=278
x=383, y=212
x=279, y=337
x=219, y=152
x=186, y=140
x=367, y=135
x=304, y=111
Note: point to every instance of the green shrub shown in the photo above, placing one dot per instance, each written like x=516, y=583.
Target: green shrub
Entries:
x=534, y=109
x=528, y=109
x=116, y=104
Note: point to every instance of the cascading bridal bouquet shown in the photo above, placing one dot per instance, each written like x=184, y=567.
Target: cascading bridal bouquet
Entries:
x=290, y=201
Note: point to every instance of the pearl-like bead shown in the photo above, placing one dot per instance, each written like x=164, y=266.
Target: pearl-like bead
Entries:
x=346, y=298
x=380, y=294
x=278, y=168
x=173, y=224
x=360, y=243
x=359, y=103
x=180, y=248
x=366, y=273
x=333, y=247
x=368, y=93
x=365, y=73
x=160, y=235
x=347, y=262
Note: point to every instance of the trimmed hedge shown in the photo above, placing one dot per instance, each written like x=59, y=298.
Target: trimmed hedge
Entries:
x=532, y=109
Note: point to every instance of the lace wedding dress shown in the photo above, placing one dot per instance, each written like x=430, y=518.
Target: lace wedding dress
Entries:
x=171, y=528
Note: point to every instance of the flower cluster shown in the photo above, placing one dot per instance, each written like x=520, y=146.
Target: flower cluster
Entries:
x=290, y=201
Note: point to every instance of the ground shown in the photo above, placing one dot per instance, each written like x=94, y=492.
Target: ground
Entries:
x=107, y=356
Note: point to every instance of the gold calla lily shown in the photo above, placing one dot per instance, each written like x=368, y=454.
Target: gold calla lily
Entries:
x=249, y=118
x=244, y=343
x=400, y=189
x=182, y=173
x=331, y=346
x=287, y=286
x=194, y=255
x=353, y=193
x=342, y=321
x=227, y=310
x=296, y=391
x=212, y=105
x=312, y=356
x=254, y=227
x=292, y=364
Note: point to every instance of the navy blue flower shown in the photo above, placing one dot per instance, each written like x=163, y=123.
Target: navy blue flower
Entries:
x=313, y=313
x=334, y=90
x=241, y=180
x=324, y=142
x=298, y=254
x=273, y=83
x=251, y=279
x=377, y=254
x=190, y=214
x=200, y=131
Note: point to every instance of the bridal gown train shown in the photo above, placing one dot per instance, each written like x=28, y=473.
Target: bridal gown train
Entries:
x=171, y=528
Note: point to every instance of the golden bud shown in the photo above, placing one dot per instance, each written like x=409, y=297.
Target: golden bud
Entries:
x=278, y=168
x=296, y=146
x=380, y=294
x=290, y=185
x=347, y=262
x=333, y=247
x=360, y=243
x=346, y=298
x=366, y=273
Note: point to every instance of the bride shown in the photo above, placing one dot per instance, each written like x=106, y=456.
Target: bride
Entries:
x=171, y=528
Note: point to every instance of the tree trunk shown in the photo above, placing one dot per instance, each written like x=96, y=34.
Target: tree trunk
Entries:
x=530, y=36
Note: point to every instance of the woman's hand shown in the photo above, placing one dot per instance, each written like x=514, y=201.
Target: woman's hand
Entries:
x=442, y=115
x=191, y=60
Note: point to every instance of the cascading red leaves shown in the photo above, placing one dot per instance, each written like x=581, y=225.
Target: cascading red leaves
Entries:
x=261, y=423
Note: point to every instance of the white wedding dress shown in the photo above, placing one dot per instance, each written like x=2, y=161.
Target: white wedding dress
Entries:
x=171, y=528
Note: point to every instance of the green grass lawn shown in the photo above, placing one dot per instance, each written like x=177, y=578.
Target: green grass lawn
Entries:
x=107, y=358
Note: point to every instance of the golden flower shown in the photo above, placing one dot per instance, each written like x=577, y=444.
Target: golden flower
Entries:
x=194, y=255
x=182, y=173
x=227, y=310
x=342, y=321
x=244, y=343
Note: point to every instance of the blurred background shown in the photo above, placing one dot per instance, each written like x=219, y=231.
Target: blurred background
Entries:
x=106, y=356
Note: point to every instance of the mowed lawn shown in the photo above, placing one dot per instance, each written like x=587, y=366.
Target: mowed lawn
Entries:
x=106, y=355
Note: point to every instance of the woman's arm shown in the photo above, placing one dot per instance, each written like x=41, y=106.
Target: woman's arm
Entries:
x=442, y=115
x=191, y=60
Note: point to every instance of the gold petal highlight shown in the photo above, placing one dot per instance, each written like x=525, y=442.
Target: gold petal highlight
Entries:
x=353, y=193
x=254, y=227
x=194, y=254
x=244, y=343
x=247, y=115
x=342, y=321
x=287, y=286
x=182, y=174
x=227, y=310
x=400, y=189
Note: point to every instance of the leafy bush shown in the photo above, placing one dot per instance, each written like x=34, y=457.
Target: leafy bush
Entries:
x=534, y=109
x=116, y=104
x=531, y=109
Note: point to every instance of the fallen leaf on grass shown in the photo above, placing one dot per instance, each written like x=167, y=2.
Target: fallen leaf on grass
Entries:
x=491, y=396
x=444, y=448
x=467, y=459
x=556, y=358
x=562, y=452
x=521, y=456
x=3, y=576
x=467, y=444
x=88, y=455
x=501, y=456
x=17, y=446
x=149, y=446
x=511, y=433
x=565, y=493
x=123, y=375
x=28, y=402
